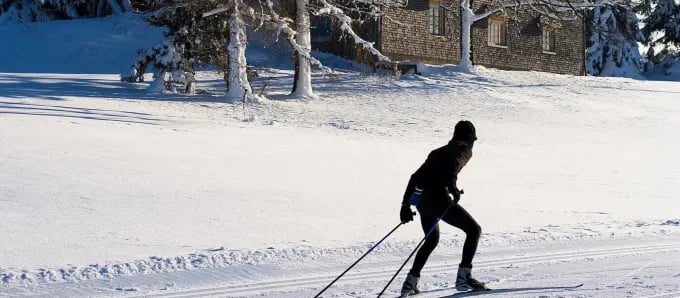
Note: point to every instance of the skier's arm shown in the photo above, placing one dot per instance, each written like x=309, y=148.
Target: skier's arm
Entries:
x=405, y=213
x=452, y=178
x=409, y=190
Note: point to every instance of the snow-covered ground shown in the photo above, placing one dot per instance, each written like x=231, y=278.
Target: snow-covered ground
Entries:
x=106, y=190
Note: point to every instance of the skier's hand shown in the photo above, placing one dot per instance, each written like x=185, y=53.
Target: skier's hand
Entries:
x=405, y=214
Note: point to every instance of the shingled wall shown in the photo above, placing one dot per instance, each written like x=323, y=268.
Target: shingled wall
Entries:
x=404, y=36
x=524, y=49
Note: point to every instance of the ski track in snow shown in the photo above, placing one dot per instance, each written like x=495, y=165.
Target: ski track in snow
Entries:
x=533, y=270
x=292, y=284
x=221, y=257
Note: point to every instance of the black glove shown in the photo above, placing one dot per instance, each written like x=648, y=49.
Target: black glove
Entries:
x=405, y=214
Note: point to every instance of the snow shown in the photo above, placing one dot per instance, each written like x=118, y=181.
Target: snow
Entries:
x=103, y=45
x=669, y=70
x=107, y=190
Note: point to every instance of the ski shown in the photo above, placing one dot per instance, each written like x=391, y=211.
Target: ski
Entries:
x=452, y=292
x=445, y=291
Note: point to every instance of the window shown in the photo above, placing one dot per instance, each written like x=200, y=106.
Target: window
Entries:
x=548, y=39
x=498, y=31
x=437, y=21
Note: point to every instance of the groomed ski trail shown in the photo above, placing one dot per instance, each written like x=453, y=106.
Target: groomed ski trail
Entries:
x=314, y=283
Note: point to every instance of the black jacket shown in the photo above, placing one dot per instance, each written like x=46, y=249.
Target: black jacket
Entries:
x=437, y=176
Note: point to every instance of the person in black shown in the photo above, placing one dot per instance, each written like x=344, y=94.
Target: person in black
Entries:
x=432, y=188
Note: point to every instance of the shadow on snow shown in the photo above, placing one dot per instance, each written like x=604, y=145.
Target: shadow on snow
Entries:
x=50, y=88
x=13, y=108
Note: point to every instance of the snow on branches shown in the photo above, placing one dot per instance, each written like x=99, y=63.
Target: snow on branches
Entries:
x=299, y=36
x=238, y=86
x=662, y=25
x=21, y=11
x=346, y=24
x=612, y=46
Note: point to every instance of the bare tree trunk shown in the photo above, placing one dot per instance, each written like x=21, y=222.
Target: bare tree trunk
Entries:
x=296, y=60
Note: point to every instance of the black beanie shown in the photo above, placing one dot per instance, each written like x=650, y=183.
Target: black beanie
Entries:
x=465, y=131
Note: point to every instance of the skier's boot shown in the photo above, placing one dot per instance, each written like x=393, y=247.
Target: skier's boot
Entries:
x=410, y=286
x=465, y=282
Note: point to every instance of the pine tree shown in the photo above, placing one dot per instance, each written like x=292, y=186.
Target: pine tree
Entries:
x=191, y=40
x=662, y=30
x=170, y=68
x=22, y=11
x=612, y=46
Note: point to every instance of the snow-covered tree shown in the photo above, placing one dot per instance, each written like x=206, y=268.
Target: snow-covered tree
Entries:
x=302, y=83
x=18, y=11
x=291, y=19
x=298, y=34
x=200, y=32
x=612, y=46
x=21, y=11
x=237, y=14
x=661, y=28
x=170, y=68
x=238, y=86
x=235, y=69
x=191, y=40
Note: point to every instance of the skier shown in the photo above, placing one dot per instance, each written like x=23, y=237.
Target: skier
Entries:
x=432, y=189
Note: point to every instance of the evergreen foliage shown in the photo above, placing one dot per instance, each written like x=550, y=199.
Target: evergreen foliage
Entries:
x=613, y=43
x=21, y=11
x=199, y=40
x=661, y=29
x=191, y=40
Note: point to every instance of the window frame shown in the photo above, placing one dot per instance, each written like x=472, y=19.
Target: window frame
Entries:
x=497, y=31
x=436, y=21
x=550, y=38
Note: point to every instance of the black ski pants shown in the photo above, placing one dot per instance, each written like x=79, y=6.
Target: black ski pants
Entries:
x=458, y=217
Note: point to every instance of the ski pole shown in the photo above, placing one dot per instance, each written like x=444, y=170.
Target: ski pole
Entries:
x=350, y=267
x=417, y=247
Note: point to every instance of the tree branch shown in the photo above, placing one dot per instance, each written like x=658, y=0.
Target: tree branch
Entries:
x=346, y=26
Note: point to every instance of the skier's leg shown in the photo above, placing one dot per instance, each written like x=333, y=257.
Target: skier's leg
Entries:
x=460, y=218
x=410, y=286
x=428, y=246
